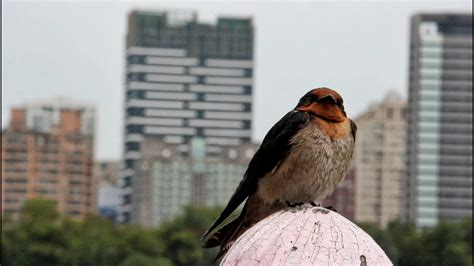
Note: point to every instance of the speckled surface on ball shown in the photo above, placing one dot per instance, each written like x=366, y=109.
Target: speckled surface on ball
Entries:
x=305, y=235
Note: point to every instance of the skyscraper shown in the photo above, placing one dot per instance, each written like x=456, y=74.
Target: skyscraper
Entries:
x=185, y=79
x=47, y=152
x=439, y=154
x=378, y=164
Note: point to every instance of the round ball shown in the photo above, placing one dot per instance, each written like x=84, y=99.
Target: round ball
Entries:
x=305, y=235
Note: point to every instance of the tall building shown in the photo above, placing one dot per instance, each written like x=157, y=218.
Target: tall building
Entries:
x=184, y=79
x=378, y=164
x=47, y=152
x=439, y=154
x=170, y=181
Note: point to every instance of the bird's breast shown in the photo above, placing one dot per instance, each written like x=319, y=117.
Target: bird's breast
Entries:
x=312, y=169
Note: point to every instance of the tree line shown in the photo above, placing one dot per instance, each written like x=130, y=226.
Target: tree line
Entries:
x=43, y=237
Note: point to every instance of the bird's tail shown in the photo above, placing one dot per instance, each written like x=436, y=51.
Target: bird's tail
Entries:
x=225, y=236
x=254, y=211
x=220, y=235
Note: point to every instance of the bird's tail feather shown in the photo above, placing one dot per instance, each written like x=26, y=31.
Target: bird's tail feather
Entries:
x=218, y=237
x=228, y=234
x=254, y=210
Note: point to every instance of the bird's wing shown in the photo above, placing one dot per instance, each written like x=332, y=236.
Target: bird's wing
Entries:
x=272, y=151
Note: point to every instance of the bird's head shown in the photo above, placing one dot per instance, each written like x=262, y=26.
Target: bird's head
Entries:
x=324, y=103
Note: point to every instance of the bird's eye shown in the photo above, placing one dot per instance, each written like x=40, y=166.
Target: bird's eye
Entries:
x=307, y=100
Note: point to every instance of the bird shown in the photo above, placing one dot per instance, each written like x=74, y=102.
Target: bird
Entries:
x=301, y=160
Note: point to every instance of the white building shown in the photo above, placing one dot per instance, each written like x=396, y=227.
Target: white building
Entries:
x=185, y=79
x=379, y=161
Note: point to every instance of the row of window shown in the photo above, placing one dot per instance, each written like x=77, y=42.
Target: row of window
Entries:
x=195, y=88
x=188, y=96
x=184, y=70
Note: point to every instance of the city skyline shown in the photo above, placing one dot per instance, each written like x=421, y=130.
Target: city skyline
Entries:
x=324, y=51
x=127, y=127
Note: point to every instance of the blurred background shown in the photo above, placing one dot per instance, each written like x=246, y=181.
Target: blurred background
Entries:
x=126, y=126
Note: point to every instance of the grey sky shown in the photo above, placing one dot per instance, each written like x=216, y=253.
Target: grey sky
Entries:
x=76, y=49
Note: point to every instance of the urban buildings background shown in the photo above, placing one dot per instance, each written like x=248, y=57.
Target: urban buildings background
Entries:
x=373, y=190
x=439, y=158
x=185, y=79
x=169, y=67
x=428, y=179
x=47, y=152
x=379, y=161
x=292, y=55
x=107, y=175
x=170, y=181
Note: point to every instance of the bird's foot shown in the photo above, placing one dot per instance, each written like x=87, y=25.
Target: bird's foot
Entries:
x=297, y=204
x=331, y=208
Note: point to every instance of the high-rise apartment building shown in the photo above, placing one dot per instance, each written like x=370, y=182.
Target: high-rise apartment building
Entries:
x=184, y=79
x=170, y=181
x=439, y=154
x=378, y=164
x=47, y=152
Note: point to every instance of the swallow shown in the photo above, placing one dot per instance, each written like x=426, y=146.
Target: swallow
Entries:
x=301, y=160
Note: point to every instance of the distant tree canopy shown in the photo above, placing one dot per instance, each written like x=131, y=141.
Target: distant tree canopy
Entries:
x=43, y=237
x=445, y=244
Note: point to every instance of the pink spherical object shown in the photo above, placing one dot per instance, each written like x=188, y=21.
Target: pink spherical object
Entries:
x=305, y=235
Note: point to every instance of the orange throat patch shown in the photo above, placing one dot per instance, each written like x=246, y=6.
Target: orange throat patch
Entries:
x=335, y=130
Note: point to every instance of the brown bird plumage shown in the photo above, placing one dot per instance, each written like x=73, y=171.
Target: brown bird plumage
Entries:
x=302, y=159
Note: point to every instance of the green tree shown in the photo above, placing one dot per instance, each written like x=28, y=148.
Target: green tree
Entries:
x=466, y=234
x=382, y=238
x=37, y=238
x=407, y=241
x=139, y=259
x=446, y=243
x=182, y=237
x=94, y=241
x=43, y=237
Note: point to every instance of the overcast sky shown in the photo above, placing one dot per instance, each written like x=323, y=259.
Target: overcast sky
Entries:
x=76, y=50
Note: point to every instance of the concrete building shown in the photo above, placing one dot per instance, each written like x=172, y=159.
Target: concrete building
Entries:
x=379, y=164
x=185, y=79
x=48, y=152
x=170, y=181
x=108, y=192
x=439, y=154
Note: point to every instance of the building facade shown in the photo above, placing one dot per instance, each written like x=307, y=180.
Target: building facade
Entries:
x=47, y=152
x=439, y=155
x=184, y=79
x=379, y=164
x=170, y=181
